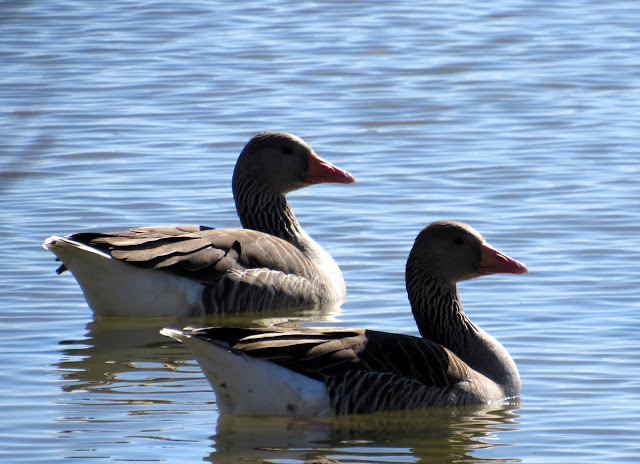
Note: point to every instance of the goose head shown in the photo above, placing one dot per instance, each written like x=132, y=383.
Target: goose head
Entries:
x=451, y=251
x=280, y=163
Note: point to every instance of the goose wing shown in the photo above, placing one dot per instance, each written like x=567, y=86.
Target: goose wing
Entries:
x=201, y=253
x=363, y=370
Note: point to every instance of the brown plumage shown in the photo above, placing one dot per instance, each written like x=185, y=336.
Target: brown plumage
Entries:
x=177, y=270
x=345, y=371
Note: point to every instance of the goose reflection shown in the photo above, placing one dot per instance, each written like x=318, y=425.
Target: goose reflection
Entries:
x=443, y=435
x=116, y=356
x=133, y=347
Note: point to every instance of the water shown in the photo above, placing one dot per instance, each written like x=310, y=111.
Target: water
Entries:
x=520, y=118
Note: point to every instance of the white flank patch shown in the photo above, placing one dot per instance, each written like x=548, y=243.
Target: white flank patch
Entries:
x=250, y=386
x=116, y=288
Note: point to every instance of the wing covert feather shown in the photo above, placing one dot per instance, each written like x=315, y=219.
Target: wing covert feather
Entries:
x=202, y=253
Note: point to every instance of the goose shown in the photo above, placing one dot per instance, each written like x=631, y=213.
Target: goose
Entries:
x=307, y=371
x=190, y=270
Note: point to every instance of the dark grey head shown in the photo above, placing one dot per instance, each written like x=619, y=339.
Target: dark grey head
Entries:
x=453, y=251
x=281, y=162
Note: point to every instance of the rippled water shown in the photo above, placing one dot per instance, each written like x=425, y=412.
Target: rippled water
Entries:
x=520, y=118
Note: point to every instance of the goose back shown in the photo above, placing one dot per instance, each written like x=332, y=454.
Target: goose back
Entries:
x=270, y=264
x=364, y=371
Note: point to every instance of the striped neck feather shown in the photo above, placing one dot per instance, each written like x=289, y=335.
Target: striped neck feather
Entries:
x=268, y=212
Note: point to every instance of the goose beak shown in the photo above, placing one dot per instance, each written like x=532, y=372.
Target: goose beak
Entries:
x=493, y=261
x=321, y=171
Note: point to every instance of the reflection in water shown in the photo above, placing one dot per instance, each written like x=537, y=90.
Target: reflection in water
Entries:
x=128, y=370
x=118, y=345
x=122, y=372
x=437, y=435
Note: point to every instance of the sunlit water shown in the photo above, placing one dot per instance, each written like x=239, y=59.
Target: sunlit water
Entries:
x=520, y=118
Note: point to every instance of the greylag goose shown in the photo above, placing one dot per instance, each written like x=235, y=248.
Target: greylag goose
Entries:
x=192, y=270
x=319, y=371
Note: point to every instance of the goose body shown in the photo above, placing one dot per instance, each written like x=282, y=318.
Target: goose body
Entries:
x=319, y=371
x=187, y=270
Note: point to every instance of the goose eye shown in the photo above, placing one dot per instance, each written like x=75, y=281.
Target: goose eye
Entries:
x=287, y=150
x=458, y=241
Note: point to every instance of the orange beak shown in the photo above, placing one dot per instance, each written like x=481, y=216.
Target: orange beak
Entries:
x=493, y=261
x=321, y=171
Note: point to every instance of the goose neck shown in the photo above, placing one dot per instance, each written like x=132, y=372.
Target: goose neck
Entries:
x=266, y=211
x=440, y=317
x=439, y=314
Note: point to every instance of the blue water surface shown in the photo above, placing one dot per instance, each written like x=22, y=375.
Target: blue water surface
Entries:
x=520, y=118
